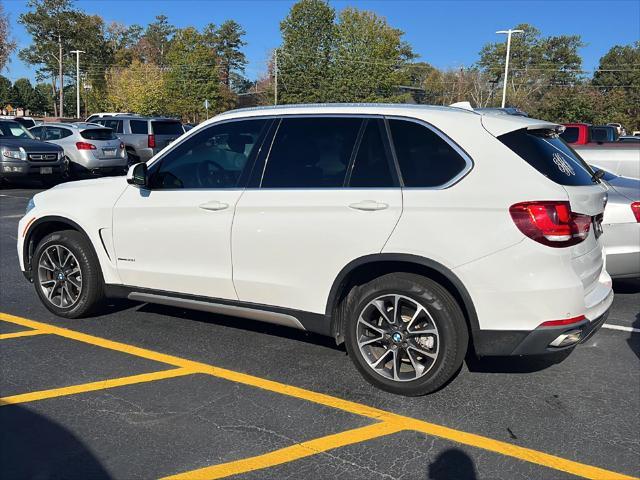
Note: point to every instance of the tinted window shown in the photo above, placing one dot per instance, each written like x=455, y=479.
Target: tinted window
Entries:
x=425, y=159
x=570, y=134
x=311, y=153
x=167, y=128
x=115, y=125
x=37, y=131
x=550, y=155
x=372, y=167
x=139, y=126
x=213, y=158
x=98, y=134
x=14, y=130
x=26, y=122
x=57, y=133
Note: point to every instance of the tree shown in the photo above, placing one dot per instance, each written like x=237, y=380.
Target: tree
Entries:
x=7, y=45
x=22, y=94
x=5, y=91
x=618, y=80
x=536, y=63
x=369, y=59
x=43, y=100
x=154, y=43
x=228, y=43
x=304, y=58
x=192, y=75
x=56, y=28
x=139, y=88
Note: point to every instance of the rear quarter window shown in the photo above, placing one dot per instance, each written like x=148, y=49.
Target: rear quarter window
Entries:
x=139, y=127
x=167, y=128
x=570, y=135
x=550, y=155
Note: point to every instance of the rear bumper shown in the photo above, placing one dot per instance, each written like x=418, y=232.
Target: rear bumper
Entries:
x=535, y=342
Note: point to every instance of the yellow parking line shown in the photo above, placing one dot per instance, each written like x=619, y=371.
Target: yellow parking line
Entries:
x=288, y=454
x=504, y=448
x=93, y=386
x=25, y=333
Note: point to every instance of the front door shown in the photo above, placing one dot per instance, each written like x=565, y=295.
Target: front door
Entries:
x=175, y=235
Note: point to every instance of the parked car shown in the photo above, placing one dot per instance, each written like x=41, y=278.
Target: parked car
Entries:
x=406, y=232
x=143, y=136
x=619, y=158
x=95, y=116
x=619, y=128
x=91, y=149
x=583, y=133
x=22, y=155
x=629, y=139
x=621, y=226
x=26, y=122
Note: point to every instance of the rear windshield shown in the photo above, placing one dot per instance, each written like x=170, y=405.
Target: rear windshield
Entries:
x=570, y=134
x=98, y=134
x=167, y=128
x=550, y=155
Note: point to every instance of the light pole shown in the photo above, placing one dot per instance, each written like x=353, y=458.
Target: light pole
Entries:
x=506, y=63
x=77, y=52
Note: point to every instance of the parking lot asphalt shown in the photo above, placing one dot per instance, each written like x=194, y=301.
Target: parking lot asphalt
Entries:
x=146, y=391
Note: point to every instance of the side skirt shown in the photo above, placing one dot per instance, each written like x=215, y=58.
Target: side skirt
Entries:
x=301, y=320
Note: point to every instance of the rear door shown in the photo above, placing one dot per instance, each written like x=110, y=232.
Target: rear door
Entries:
x=327, y=194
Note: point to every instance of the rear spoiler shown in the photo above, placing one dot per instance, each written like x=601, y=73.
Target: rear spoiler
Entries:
x=498, y=125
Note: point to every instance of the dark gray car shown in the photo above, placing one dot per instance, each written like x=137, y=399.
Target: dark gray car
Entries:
x=22, y=156
x=143, y=137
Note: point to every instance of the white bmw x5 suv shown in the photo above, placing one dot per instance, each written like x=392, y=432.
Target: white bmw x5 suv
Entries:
x=409, y=233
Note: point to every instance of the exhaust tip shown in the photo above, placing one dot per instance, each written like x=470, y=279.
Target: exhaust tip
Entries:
x=567, y=338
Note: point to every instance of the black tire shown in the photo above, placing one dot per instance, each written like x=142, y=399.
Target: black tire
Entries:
x=452, y=333
x=92, y=285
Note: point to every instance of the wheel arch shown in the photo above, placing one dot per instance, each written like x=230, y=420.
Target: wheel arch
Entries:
x=42, y=227
x=368, y=267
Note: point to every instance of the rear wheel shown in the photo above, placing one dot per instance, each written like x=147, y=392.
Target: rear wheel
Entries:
x=67, y=275
x=405, y=333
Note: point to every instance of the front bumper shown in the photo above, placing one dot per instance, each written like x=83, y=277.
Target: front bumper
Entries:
x=535, y=342
x=28, y=169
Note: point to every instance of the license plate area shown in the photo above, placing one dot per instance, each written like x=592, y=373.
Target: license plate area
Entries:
x=109, y=152
x=46, y=170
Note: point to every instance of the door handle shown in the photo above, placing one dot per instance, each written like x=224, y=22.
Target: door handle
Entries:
x=368, y=205
x=214, y=205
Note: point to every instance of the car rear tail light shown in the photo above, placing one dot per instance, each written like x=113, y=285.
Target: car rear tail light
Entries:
x=635, y=208
x=551, y=223
x=563, y=322
x=85, y=146
x=151, y=141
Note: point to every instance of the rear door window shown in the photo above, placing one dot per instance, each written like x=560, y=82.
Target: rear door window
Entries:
x=424, y=157
x=166, y=128
x=311, y=152
x=139, y=127
x=98, y=134
x=550, y=155
x=57, y=133
x=372, y=166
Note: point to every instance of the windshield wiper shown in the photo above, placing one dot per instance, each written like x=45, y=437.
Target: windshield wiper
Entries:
x=597, y=175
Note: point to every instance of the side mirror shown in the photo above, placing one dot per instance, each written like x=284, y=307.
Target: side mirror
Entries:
x=137, y=174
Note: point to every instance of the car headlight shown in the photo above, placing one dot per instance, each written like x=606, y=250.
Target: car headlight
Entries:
x=60, y=154
x=31, y=205
x=20, y=154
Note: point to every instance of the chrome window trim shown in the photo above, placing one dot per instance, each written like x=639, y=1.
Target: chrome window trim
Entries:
x=457, y=148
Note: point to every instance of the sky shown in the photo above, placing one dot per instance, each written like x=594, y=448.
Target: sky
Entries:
x=447, y=34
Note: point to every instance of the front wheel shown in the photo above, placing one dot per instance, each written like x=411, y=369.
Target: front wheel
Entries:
x=66, y=274
x=405, y=333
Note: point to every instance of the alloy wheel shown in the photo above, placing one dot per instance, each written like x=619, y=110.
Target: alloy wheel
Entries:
x=59, y=276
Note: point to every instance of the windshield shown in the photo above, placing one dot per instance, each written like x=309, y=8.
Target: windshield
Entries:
x=14, y=130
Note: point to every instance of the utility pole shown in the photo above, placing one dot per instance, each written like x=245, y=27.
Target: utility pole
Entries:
x=60, y=76
x=275, y=71
x=506, y=63
x=77, y=52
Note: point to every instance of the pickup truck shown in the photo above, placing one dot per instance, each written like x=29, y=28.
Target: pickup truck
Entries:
x=583, y=133
x=22, y=156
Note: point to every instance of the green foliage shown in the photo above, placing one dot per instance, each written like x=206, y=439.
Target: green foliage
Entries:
x=5, y=91
x=140, y=88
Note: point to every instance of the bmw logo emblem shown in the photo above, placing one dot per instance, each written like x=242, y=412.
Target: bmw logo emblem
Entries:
x=397, y=337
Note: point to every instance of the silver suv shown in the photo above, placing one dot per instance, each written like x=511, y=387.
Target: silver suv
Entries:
x=90, y=149
x=143, y=137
